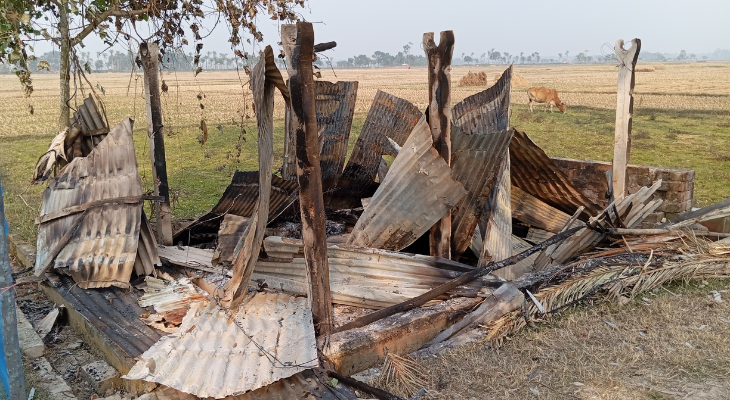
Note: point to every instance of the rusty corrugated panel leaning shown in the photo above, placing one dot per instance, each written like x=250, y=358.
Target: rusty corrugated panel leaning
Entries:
x=389, y=117
x=103, y=249
x=93, y=129
x=335, y=105
x=416, y=193
x=475, y=161
x=239, y=199
x=534, y=172
x=486, y=111
x=218, y=353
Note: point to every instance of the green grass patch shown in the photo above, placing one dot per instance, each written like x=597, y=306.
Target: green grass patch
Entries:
x=198, y=174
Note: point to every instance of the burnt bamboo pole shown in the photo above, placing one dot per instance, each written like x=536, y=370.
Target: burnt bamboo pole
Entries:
x=379, y=394
x=439, y=120
x=149, y=54
x=450, y=285
x=309, y=176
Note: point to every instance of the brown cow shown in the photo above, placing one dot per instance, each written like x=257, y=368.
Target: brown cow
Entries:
x=547, y=96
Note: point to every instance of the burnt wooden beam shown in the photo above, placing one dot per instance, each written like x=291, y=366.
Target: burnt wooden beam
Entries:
x=363, y=387
x=624, y=109
x=319, y=47
x=439, y=119
x=149, y=56
x=309, y=176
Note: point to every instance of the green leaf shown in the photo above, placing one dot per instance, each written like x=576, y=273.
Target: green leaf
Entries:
x=333, y=382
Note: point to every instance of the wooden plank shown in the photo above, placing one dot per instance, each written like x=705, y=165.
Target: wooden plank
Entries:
x=624, y=110
x=439, y=120
x=289, y=167
x=149, y=56
x=309, y=176
x=247, y=249
x=417, y=192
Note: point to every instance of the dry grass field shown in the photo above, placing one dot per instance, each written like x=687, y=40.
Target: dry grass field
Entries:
x=682, y=116
x=682, y=119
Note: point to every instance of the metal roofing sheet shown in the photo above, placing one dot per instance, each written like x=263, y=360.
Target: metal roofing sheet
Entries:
x=389, y=117
x=486, y=111
x=475, y=161
x=498, y=219
x=335, y=105
x=270, y=337
x=170, y=299
x=240, y=199
x=534, y=172
x=416, y=193
x=103, y=250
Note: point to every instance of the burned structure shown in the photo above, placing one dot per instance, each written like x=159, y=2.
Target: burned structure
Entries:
x=457, y=232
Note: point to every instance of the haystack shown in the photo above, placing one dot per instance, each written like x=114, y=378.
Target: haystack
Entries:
x=474, y=79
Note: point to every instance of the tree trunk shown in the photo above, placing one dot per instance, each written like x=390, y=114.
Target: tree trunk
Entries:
x=65, y=72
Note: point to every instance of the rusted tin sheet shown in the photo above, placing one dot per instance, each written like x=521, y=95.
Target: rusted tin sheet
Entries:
x=363, y=277
x=303, y=385
x=335, y=105
x=103, y=250
x=475, y=161
x=498, y=219
x=232, y=228
x=147, y=256
x=93, y=129
x=239, y=199
x=249, y=243
x=486, y=111
x=218, y=353
x=535, y=212
x=534, y=172
x=389, y=117
x=416, y=193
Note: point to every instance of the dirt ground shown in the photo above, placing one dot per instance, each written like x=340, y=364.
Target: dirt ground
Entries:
x=673, y=343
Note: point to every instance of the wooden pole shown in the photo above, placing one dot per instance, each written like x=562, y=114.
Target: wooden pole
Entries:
x=9, y=326
x=439, y=120
x=289, y=167
x=309, y=175
x=149, y=55
x=624, y=108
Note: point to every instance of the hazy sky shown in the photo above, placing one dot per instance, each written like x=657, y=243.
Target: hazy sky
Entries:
x=548, y=27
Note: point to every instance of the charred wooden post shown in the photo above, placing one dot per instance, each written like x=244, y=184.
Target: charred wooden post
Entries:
x=439, y=119
x=624, y=109
x=9, y=326
x=149, y=55
x=309, y=176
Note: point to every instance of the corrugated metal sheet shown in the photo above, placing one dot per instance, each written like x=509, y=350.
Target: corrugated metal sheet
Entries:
x=335, y=105
x=362, y=277
x=103, y=250
x=239, y=199
x=535, y=212
x=416, y=193
x=247, y=249
x=475, y=161
x=305, y=385
x=270, y=337
x=498, y=218
x=389, y=117
x=170, y=299
x=534, y=172
x=486, y=111
x=93, y=129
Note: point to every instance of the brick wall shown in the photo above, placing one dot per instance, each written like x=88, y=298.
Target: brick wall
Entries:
x=676, y=190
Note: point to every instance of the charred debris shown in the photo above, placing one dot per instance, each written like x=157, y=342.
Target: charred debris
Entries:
x=319, y=272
